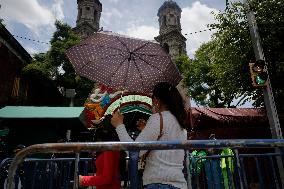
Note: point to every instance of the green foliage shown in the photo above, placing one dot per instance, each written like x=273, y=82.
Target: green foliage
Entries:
x=54, y=66
x=270, y=20
x=83, y=89
x=204, y=77
x=65, y=77
x=38, y=68
x=41, y=86
x=220, y=73
x=63, y=38
x=182, y=62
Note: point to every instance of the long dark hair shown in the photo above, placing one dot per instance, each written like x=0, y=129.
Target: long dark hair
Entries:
x=172, y=99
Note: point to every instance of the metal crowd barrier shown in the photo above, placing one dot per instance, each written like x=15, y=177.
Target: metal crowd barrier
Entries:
x=49, y=173
x=260, y=171
x=35, y=173
x=254, y=163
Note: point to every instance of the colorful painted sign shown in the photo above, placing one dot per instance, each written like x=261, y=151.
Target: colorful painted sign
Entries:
x=129, y=99
x=104, y=101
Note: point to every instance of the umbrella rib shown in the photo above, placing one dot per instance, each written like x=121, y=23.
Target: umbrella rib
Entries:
x=148, y=62
x=123, y=43
x=116, y=70
x=105, y=57
x=124, y=82
x=96, y=46
x=142, y=46
x=112, y=48
x=139, y=72
x=151, y=55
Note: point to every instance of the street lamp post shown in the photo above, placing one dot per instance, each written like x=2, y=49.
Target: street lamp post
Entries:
x=267, y=90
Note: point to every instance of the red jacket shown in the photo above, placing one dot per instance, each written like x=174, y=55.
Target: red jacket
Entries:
x=107, y=172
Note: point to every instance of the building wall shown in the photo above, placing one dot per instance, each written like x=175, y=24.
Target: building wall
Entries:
x=12, y=87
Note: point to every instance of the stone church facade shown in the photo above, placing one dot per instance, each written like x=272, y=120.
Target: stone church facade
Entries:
x=88, y=17
x=170, y=36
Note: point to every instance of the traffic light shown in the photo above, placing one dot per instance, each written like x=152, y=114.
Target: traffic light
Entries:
x=258, y=73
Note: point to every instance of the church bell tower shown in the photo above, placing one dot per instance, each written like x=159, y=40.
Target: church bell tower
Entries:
x=170, y=36
x=88, y=17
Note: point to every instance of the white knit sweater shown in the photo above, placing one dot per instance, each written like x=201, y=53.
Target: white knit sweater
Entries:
x=162, y=166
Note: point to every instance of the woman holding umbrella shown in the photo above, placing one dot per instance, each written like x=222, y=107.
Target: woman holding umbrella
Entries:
x=163, y=168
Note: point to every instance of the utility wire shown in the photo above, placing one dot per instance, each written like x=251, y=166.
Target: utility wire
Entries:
x=200, y=31
x=34, y=40
x=47, y=43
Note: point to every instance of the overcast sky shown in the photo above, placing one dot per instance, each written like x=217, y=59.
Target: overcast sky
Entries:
x=35, y=19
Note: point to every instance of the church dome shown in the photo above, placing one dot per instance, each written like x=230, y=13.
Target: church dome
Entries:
x=169, y=4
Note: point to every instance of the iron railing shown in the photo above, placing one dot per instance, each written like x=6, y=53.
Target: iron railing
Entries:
x=247, y=167
x=48, y=173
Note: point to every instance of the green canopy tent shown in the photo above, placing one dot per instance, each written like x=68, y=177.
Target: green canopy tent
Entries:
x=30, y=125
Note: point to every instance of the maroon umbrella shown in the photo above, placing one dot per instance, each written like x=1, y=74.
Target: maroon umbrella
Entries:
x=122, y=62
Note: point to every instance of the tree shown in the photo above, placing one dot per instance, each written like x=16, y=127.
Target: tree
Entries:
x=42, y=90
x=65, y=77
x=54, y=65
x=270, y=20
x=219, y=74
x=39, y=66
x=204, y=78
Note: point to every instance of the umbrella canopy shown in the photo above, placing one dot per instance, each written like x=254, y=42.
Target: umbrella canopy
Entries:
x=122, y=62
